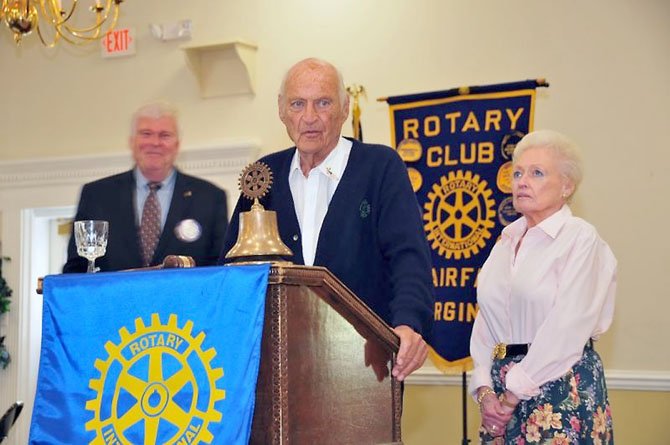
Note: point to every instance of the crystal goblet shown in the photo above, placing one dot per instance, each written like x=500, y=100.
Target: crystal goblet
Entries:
x=91, y=239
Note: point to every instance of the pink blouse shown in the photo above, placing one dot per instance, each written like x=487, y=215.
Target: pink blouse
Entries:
x=555, y=294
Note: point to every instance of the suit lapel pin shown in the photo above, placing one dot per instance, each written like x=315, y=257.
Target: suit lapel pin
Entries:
x=187, y=193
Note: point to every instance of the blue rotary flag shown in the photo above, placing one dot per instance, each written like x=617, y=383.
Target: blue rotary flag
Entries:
x=457, y=145
x=151, y=357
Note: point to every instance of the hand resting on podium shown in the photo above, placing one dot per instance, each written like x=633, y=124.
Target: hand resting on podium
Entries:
x=412, y=353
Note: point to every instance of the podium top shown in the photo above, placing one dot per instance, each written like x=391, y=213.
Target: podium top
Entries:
x=330, y=288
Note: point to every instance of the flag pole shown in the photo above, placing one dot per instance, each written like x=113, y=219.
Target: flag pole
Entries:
x=464, y=392
x=356, y=91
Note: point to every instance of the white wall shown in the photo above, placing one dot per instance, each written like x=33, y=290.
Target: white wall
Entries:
x=608, y=63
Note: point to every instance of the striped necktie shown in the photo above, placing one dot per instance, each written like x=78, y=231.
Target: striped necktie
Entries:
x=150, y=225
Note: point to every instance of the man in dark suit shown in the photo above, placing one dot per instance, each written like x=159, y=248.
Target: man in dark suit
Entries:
x=189, y=214
x=349, y=207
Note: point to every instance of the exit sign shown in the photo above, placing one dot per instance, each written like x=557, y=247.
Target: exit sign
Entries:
x=118, y=42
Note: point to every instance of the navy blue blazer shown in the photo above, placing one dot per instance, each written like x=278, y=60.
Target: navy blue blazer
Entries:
x=372, y=236
x=112, y=199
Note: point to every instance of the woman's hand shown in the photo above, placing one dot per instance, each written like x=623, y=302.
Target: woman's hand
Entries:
x=508, y=401
x=494, y=415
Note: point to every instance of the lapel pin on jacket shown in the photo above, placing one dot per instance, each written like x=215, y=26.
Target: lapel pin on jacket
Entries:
x=187, y=193
x=365, y=208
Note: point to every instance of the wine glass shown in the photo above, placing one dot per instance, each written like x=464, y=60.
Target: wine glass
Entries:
x=90, y=236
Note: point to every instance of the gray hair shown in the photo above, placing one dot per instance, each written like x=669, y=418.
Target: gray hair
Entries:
x=155, y=110
x=561, y=146
x=313, y=62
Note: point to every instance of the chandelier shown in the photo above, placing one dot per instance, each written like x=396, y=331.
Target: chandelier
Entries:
x=53, y=19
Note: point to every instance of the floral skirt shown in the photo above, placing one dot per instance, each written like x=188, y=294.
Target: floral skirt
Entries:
x=570, y=410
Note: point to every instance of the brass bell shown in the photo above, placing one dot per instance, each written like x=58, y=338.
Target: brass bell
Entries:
x=258, y=237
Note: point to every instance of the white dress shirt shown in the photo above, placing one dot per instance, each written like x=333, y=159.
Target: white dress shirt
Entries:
x=312, y=194
x=554, y=293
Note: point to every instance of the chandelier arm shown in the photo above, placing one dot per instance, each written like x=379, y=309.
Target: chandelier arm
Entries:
x=99, y=22
x=44, y=42
x=53, y=12
x=81, y=33
x=75, y=39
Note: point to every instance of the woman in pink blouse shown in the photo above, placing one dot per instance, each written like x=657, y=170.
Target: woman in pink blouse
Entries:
x=545, y=292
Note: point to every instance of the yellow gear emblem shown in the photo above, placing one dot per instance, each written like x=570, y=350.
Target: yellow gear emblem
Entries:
x=458, y=215
x=150, y=387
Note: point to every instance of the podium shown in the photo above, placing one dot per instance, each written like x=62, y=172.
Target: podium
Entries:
x=323, y=376
x=325, y=365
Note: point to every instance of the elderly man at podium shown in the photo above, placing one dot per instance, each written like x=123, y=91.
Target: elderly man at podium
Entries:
x=349, y=207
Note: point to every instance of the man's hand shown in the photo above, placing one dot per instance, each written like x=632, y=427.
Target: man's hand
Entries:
x=413, y=352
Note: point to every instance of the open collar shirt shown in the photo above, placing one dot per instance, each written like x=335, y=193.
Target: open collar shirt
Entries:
x=312, y=194
x=554, y=293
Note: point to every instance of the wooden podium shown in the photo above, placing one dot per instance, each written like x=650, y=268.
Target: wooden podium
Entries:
x=325, y=365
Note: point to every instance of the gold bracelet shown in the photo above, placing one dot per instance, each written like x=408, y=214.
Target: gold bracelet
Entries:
x=505, y=402
x=485, y=392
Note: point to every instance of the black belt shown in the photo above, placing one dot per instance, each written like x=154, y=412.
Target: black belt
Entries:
x=501, y=350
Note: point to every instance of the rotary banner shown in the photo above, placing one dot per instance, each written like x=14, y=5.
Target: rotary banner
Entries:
x=457, y=145
x=151, y=357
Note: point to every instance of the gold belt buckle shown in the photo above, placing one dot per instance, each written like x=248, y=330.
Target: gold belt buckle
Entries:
x=499, y=351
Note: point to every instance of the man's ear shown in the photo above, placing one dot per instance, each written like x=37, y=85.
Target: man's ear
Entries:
x=280, y=108
x=345, y=108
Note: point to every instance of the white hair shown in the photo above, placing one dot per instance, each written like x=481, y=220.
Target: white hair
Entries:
x=564, y=149
x=154, y=110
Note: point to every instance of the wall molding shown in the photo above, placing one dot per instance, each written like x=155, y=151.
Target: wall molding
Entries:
x=225, y=158
x=617, y=379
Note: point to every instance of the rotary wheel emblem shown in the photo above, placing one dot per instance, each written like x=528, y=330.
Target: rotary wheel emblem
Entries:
x=458, y=215
x=255, y=180
x=151, y=387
